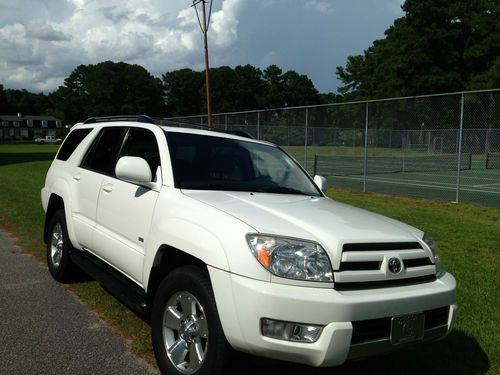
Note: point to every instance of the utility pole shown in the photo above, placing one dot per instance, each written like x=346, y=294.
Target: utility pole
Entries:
x=204, y=30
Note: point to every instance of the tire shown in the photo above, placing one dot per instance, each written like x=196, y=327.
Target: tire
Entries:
x=58, y=247
x=196, y=333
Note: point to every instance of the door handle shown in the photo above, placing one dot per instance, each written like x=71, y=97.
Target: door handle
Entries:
x=77, y=177
x=108, y=188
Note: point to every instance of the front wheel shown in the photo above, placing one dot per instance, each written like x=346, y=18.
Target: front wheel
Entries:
x=185, y=327
x=58, y=247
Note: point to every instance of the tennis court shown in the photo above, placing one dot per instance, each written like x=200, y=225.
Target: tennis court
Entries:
x=477, y=184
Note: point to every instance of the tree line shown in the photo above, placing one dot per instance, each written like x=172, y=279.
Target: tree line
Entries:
x=110, y=88
x=437, y=46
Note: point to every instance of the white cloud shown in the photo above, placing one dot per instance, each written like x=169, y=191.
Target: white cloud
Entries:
x=37, y=54
x=225, y=23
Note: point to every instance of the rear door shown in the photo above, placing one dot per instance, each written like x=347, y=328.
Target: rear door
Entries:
x=125, y=210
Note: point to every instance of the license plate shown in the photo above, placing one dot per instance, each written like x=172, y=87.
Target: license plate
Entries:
x=407, y=328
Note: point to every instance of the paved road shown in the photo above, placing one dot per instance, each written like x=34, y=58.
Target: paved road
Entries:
x=45, y=330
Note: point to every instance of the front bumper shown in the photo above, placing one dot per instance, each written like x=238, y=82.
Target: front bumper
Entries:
x=242, y=302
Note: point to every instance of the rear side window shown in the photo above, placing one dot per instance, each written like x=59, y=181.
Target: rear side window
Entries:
x=71, y=143
x=102, y=155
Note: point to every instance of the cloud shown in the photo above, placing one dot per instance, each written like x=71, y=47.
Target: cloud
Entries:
x=41, y=42
x=44, y=31
x=320, y=6
x=35, y=54
x=225, y=22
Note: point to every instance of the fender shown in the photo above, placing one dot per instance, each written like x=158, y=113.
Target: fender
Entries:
x=188, y=236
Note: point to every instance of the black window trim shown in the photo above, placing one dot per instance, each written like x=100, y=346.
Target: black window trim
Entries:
x=122, y=143
x=92, y=149
x=88, y=130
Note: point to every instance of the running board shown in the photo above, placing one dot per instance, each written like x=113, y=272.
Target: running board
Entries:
x=122, y=288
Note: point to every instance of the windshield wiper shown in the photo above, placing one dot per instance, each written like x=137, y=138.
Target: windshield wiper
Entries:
x=283, y=190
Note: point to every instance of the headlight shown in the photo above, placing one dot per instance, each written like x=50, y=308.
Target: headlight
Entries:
x=291, y=258
x=434, y=248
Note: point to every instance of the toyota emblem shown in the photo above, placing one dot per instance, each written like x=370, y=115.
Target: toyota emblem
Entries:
x=394, y=265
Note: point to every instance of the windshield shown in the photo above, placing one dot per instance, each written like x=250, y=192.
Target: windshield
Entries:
x=203, y=162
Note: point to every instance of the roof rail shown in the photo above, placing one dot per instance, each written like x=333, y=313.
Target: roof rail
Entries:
x=138, y=118
x=180, y=124
x=239, y=133
x=158, y=121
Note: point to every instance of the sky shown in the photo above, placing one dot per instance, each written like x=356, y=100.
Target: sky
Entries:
x=43, y=41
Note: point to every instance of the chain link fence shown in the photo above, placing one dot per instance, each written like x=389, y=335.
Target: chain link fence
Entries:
x=444, y=147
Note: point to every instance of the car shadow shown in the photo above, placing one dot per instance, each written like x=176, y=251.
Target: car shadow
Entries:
x=459, y=353
x=20, y=157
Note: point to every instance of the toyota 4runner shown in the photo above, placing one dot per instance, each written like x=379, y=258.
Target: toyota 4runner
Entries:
x=222, y=241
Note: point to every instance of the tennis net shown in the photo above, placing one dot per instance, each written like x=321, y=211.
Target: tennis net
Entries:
x=493, y=160
x=330, y=165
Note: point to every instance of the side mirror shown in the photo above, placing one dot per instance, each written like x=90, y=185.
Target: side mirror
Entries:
x=321, y=182
x=133, y=169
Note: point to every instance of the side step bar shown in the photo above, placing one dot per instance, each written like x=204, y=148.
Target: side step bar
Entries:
x=125, y=290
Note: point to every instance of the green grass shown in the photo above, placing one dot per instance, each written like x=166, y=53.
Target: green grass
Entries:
x=469, y=238
x=298, y=152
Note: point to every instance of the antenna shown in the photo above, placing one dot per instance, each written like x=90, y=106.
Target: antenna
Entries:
x=204, y=25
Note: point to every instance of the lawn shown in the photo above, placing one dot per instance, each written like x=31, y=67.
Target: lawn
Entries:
x=469, y=238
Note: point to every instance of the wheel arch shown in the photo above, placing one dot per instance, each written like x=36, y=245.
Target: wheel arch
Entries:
x=167, y=259
x=56, y=203
x=59, y=199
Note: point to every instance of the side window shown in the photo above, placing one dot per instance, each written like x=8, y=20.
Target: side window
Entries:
x=71, y=143
x=142, y=143
x=102, y=155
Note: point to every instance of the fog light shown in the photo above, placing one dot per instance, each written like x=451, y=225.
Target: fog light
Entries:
x=289, y=331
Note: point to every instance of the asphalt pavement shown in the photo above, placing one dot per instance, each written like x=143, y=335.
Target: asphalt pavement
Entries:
x=46, y=330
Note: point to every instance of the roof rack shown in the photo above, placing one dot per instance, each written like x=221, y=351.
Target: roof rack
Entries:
x=158, y=121
x=138, y=118
x=180, y=124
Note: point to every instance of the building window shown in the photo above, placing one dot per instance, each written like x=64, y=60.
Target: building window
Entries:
x=30, y=123
x=45, y=124
x=58, y=124
x=5, y=124
x=16, y=124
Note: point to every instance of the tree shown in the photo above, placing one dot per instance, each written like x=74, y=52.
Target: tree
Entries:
x=109, y=88
x=24, y=102
x=438, y=46
x=242, y=88
x=183, y=92
x=238, y=89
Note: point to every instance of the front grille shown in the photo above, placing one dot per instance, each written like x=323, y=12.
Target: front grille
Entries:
x=366, y=265
x=437, y=317
x=384, y=283
x=359, y=266
x=381, y=246
x=370, y=330
x=409, y=263
x=380, y=329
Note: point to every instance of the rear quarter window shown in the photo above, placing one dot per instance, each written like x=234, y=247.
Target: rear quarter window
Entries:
x=71, y=143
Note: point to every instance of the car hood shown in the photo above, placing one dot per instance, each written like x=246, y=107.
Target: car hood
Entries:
x=319, y=219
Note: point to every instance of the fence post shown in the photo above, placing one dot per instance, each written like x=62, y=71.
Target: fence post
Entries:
x=366, y=150
x=258, y=125
x=305, y=142
x=459, y=163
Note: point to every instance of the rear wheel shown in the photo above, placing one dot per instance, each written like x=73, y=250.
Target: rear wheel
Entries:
x=58, y=247
x=185, y=327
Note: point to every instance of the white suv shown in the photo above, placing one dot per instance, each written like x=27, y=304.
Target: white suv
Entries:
x=224, y=241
